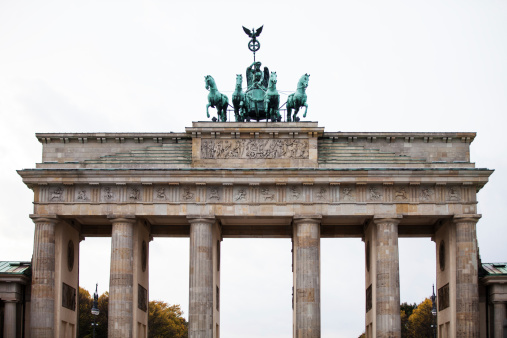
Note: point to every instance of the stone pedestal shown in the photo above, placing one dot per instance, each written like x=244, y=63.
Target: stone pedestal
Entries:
x=43, y=278
x=388, y=322
x=200, y=316
x=121, y=292
x=499, y=319
x=306, y=258
x=467, y=289
x=10, y=319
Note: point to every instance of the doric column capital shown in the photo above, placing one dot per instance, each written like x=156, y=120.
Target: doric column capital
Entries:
x=121, y=219
x=379, y=219
x=44, y=218
x=313, y=219
x=466, y=218
x=201, y=219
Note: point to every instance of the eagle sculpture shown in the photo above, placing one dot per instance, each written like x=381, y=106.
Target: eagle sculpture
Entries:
x=253, y=34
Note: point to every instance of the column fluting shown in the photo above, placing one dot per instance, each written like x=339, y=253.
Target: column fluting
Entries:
x=307, y=277
x=43, y=278
x=200, y=316
x=467, y=278
x=121, y=288
x=388, y=322
x=10, y=319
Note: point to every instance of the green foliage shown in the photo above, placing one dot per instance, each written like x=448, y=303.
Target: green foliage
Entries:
x=408, y=308
x=163, y=320
x=86, y=317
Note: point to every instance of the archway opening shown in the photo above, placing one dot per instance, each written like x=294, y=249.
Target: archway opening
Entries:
x=256, y=288
x=342, y=287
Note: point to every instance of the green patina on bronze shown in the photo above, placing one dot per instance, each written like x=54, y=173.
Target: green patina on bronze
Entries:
x=216, y=99
x=298, y=99
x=261, y=100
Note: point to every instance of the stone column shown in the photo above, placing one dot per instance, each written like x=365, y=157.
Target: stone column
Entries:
x=10, y=319
x=499, y=317
x=388, y=320
x=121, y=291
x=200, y=313
x=43, y=278
x=467, y=289
x=306, y=253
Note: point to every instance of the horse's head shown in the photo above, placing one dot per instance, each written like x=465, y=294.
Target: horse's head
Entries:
x=272, y=78
x=208, y=80
x=303, y=81
x=239, y=80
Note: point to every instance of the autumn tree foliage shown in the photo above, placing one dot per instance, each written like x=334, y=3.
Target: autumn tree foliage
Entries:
x=421, y=320
x=416, y=320
x=163, y=320
x=166, y=321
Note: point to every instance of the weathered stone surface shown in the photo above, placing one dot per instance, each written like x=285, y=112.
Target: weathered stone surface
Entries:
x=10, y=320
x=467, y=288
x=121, y=292
x=307, y=277
x=388, y=279
x=43, y=279
x=253, y=179
x=200, y=311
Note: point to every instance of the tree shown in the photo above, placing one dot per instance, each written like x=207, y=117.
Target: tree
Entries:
x=421, y=319
x=85, y=315
x=166, y=321
x=163, y=320
x=405, y=312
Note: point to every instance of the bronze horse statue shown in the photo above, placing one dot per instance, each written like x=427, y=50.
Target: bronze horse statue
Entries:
x=298, y=99
x=238, y=100
x=272, y=100
x=216, y=99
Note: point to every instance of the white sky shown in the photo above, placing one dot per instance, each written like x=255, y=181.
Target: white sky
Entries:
x=134, y=66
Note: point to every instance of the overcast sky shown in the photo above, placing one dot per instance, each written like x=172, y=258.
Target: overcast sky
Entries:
x=375, y=66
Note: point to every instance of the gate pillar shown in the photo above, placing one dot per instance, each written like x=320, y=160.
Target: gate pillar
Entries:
x=457, y=277
x=121, y=291
x=467, y=277
x=306, y=266
x=42, y=320
x=382, y=278
x=204, y=290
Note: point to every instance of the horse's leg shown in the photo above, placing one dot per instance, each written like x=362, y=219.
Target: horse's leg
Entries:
x=306, y=109
x=289, y=111
x=296, y=111
x=207, y=109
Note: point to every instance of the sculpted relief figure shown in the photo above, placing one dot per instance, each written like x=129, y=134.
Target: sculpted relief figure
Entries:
x=254, y=149
x=57, y=194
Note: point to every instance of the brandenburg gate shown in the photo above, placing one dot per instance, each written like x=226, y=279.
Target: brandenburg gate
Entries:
x=253, y=179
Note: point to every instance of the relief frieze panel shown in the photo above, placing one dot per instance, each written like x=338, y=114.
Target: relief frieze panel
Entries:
x=56, y=194
x=109, y=194
x=427, y=193
x=295, y=193
x=188, y=194
x=82, y=194
x=255, y=149
x=214, y=194
x=254, y=193
x=453, y=194
x=348, y=194
x=240, y=194
x=401, y=193
x=160, y=193
x=374, y=193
